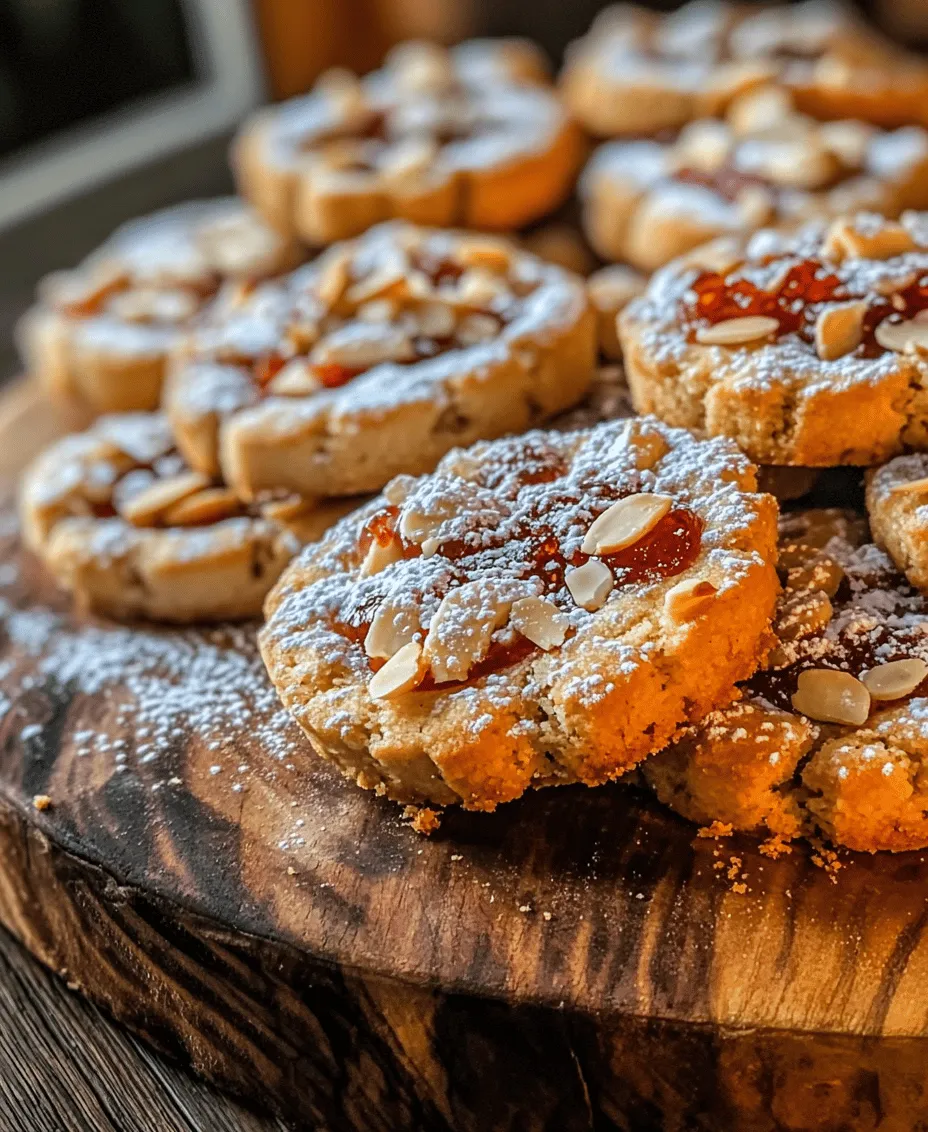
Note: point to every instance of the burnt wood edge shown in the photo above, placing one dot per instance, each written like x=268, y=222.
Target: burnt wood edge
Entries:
x=339, y=1049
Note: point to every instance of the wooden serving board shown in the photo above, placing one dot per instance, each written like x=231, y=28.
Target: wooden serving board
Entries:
x=578, y=960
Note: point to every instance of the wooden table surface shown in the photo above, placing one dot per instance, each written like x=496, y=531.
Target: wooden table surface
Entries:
x=65, y=1067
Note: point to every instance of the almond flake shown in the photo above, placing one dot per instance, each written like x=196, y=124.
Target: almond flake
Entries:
x=737, y=331
x=832, y=697
x=211, y=505
x=334, y=278
x=402, y=673
x=625, y=522
x=379, y=556
x=913, y=487
x=843, y=239
x=462, y=627
x=902, y=337
x=480, y=253
x=590, y=584
x=688, y=600
x=296, y=379
x=146, y=507
x=896, y=679
x=839, y=330
x=391, y=629
x=539, y=621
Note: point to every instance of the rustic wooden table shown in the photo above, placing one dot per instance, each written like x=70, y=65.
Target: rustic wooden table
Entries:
x=64, y=1067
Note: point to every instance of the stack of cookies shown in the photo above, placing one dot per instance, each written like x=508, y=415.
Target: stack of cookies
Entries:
x=377, y=400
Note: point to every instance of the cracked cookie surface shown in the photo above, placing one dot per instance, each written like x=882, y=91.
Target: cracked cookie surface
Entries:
x=832, y=737
x=542, y=609
x=121, y=521
x=806, y=348
x=100, y=336
x=472, y=137
x=376, y=359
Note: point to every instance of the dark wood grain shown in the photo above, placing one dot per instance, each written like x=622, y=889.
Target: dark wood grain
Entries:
x=578, y=960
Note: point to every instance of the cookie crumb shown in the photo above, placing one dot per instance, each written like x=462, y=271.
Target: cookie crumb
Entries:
x=291, y=871
x=457, y=857
x=775, y=847
x=42, y=802
x=717, y=829
x=422, y=819
x=740, y=888
x=547, y=916
x=734, y=867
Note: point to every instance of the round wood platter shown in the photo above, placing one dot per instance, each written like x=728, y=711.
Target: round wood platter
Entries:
x=578, y=960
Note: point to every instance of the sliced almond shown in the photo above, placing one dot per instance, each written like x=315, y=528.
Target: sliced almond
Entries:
x=839, y=330
x=913, y=487
x=688, y=600
x=333, y=278
x=436, y=320
x=146, y=507
x=478, y=287
x=816, y=573
x=539, y=621
x=462, y=627
x=895, y=679
x=362, y=345
x=379, y=556
x=296, y=379
x=719, y=255
x=377, y=310
x=644, y=441
x=738, y=331
x=625, y=522
x=590, y=584
x=474, y=328
x=391, y=628
x=377, y=284
x=211, y=505
x=832, y=697
x=484, y=253
x=844, y=239
x=402, y=673
x=902, y=337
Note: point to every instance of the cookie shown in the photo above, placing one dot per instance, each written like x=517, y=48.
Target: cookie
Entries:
x=123, y=523
x=805, y=348
x=542, y=609
x=437, y=137
x=831, y=738
x=100, y=335
x=611, y=289
x=897, y=495
x=376, y=359
x=637, y=73
x=647, y=202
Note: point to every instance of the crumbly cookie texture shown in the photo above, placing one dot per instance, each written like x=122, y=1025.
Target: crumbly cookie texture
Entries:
x=376, y=359
x=637, y=73
x=832, y=738
x=99, y=338
x=647, y=202
x=446, y=137
x=123, y=523
x=542, y=609
x=897, y=505
x=806, y=348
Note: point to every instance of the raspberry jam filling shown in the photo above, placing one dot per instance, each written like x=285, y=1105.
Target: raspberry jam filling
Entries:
x=668, y=549
x=796, y=303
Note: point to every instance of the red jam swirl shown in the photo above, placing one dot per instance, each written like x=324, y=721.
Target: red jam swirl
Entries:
x=668, y=549
x=794, y=304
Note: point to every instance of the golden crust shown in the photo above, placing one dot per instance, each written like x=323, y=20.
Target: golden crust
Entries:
x=616, y=689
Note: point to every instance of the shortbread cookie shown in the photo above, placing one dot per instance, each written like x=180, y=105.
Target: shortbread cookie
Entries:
x=897, y=504
x=438, y=137
x=805, y=348
x=832, y=738
x=637, y=73
x=123, y=523
x=542, y=609
x=376, y=359
x=100, y=336
x=611, y=289
x=647, y=202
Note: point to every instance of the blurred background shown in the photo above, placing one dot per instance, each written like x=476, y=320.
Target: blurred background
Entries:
x=110, y=108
